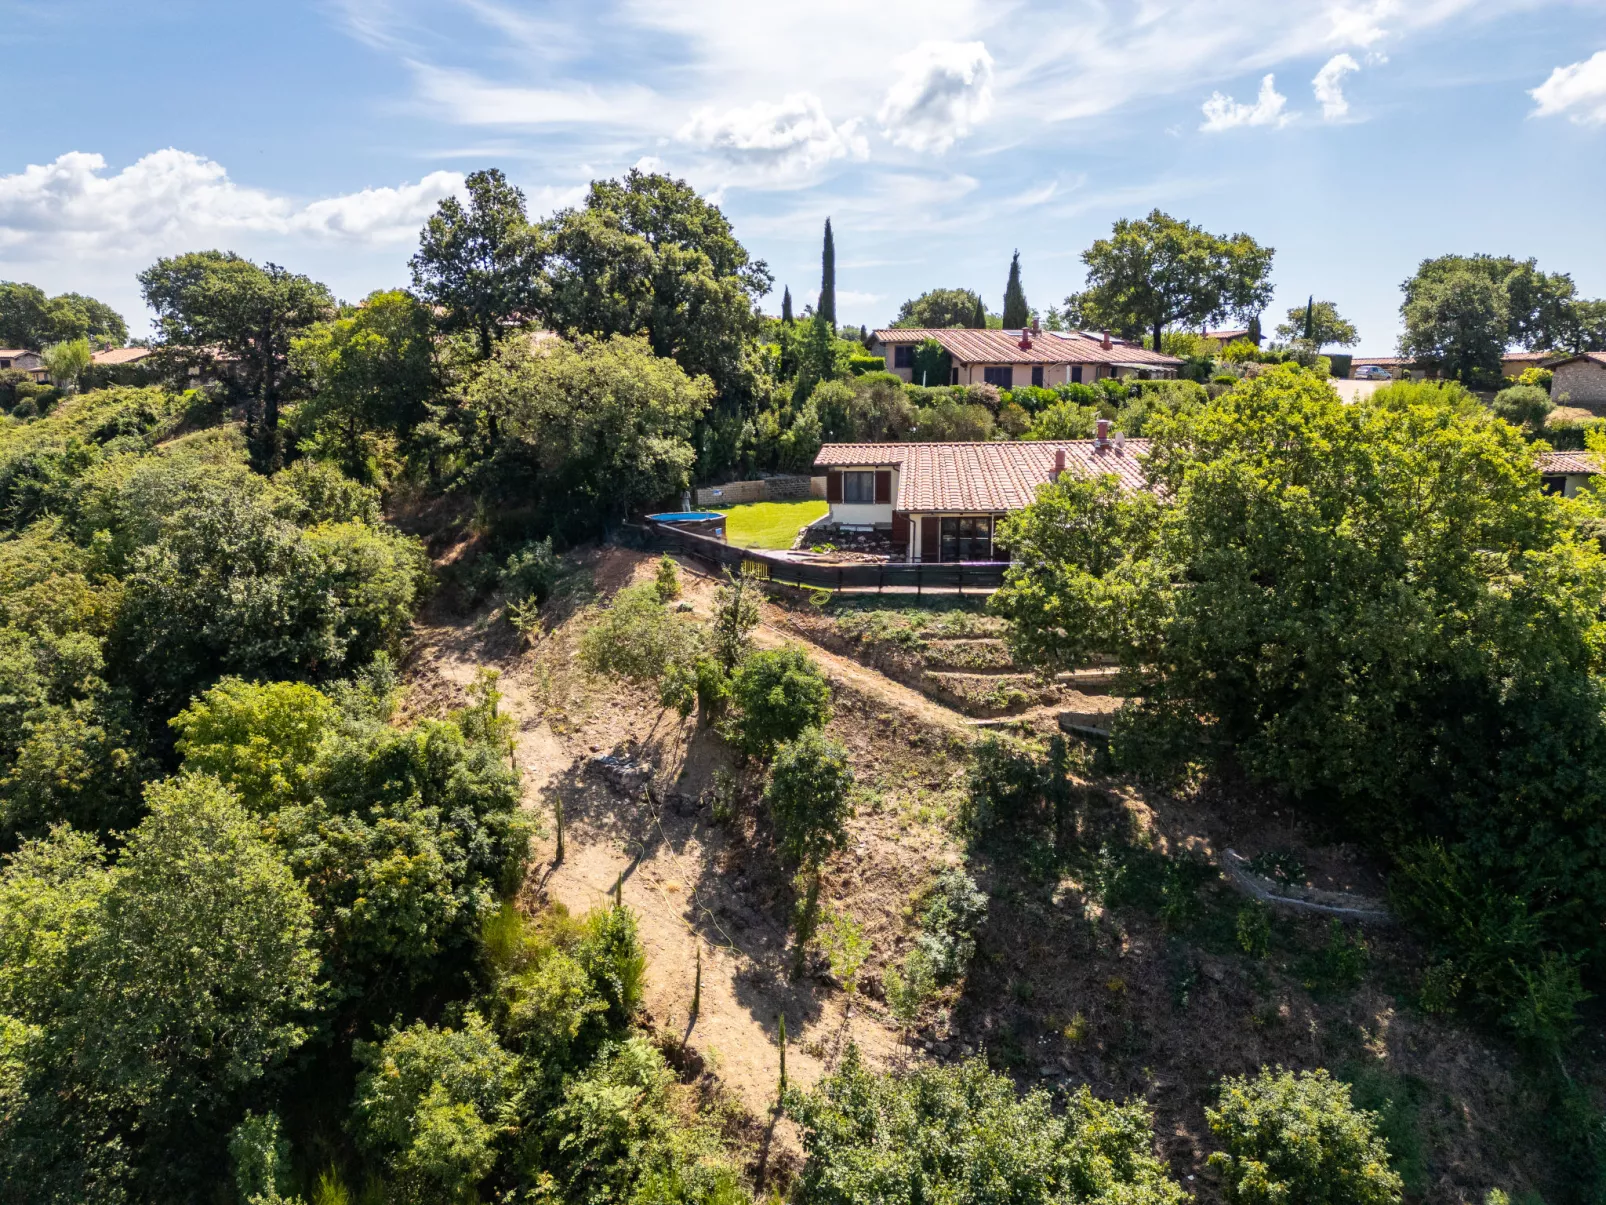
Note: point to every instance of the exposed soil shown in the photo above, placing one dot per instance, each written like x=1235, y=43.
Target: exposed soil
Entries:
x=1089, y=969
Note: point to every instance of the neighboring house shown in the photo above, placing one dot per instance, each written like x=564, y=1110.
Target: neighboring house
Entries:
x=116, y=356
x=1222, y=338
x=1513, y=364
x=942, y=501
x=1011, y=359
x=1575, y=381
x=23, y=361
x=1565, y=473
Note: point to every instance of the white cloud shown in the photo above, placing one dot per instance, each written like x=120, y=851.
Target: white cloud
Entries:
x=73, y=205
x=467, y=99
x=379, y=214
x=1223, y=113
x=943, y=91
x=1329, y=86
x=785, y=142
x=1578, y=90
x=1358, y=26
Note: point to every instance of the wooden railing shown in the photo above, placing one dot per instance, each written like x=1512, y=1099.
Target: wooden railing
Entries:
x=862, y=577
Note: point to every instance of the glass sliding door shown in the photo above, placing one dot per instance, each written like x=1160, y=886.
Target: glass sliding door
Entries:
x=967, y=538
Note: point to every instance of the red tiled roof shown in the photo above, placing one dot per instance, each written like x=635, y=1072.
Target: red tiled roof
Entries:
x=121, y=355
x=977, y=478
x=12, y=353
x=1048, y=347
x=1228, y=336
x=1567, y=462
x=1598, y=356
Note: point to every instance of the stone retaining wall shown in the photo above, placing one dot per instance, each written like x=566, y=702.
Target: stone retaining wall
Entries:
x=767, y=489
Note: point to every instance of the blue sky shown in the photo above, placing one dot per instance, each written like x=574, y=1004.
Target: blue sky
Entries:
x=940, y=135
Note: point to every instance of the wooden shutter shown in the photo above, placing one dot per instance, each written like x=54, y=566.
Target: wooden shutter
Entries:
x=833, y=485
x=883, y=485
x=900, y=528
x=928, y=537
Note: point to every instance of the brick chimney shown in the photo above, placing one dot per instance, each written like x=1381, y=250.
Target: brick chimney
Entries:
x=1105, y=343
x=1025, y=339
x=1059, y=463
x=1102, y=438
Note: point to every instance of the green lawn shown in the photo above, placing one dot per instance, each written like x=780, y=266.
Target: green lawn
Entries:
x=769, y=524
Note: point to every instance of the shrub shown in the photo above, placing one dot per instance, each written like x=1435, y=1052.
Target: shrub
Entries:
x=1297, y=1138
x=955, y=907
x=431, y=1103
x=1525, y=406
x=530, y=572
x=612, y=956
x=860, y=365
x=1064, y=420
x=1538, y=377
x=932, y=364
x=736, y=614
x=778, y=694
x=1006, y=784
x=638, y=638
x=808, y=796
x=963, y=1135
x=667, y=578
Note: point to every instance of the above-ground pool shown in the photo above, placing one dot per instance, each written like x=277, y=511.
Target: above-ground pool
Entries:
x=702, y=522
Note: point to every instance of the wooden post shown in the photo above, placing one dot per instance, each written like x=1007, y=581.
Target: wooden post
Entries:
x=697, y=985
x=557, y=809
x=619, y=891
x=781, y=1022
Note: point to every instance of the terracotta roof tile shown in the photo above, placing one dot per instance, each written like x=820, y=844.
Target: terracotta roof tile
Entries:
x=985, y=477
x=121, y=355
x=1563, y=358
x=1048, y=347
x=1566, y=462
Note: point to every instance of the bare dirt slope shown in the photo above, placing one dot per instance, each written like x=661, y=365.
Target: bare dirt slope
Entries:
x=1092, y=967
x=692, y=884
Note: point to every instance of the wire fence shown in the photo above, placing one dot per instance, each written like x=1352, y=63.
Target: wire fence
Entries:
x=976, y=577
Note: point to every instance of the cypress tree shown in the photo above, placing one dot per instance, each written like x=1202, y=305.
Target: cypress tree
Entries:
x=1254, y=330
x=827, y=307
x=1310, y=319
x=1016, y=313
x=786, y=306
x=978, y=320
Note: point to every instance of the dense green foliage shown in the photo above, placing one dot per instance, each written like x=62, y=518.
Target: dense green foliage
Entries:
x=1375, y=610
x=938, y=309
x=1157, y=271
x=30, y=320
x=585, y=433
x=962, y=1134
x=1291, y=1138
x=1319, y=324
x=214, y=303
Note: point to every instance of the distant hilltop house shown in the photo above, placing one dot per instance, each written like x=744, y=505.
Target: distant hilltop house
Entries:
x=1011, y=359
x=941, y=502
x=21, y=360
x=1223, y=337
x=1512, y=364
x=116, y=357
x=1581, y=379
